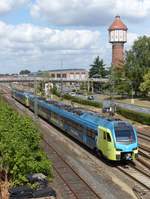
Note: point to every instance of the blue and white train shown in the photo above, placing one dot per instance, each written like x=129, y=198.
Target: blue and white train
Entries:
x=115, y=139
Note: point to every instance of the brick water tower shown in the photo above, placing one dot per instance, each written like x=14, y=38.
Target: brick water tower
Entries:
x=117, y=36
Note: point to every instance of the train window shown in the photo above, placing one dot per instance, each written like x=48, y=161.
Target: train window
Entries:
x=104, y=135
x=74, y=125
x=45, y=110
x=125, y=135
x=108, y=137
x=91, y=134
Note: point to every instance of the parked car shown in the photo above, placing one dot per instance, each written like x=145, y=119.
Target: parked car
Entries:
x=91, y=97
x=72, y=94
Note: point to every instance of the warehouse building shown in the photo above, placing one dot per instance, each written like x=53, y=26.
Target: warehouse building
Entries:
x=69, y=74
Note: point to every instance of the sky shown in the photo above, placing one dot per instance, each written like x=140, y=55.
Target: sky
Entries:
x=56, y=34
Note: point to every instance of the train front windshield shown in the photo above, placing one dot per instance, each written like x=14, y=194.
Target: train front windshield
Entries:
x=125, y=134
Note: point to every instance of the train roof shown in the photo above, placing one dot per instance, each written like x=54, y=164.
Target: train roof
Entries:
x=81, y=115
x=67, y=111
x=100, y=120
x=90, y=118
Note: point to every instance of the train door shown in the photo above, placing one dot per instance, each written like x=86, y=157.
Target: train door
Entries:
x=109, y=146
x=101, y=140
x=105, y=143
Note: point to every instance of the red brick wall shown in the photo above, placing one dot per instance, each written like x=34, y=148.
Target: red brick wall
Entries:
x=117, y=54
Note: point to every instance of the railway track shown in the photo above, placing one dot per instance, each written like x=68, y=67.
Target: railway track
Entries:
x=140, y=172
x=145, y=148
x=74, y=186
x=141, y=167
x=144, y=137
x=137, y=175
x=144, y=153
x=145, y=163
x=144, y=130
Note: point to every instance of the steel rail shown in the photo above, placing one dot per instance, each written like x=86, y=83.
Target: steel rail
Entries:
x=144, y=162
x=70, y=167
x=135, y=177
x=144, y=137
x=145, y=148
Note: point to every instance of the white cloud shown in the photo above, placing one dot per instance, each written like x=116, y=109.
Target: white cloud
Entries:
x=30, y=45
x=27, y=45
x=8, y=5
x=131, y=38
x=30, y=36
x=89, y=12
x=71, y=12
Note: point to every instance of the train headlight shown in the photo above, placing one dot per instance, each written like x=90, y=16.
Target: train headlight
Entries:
x=135, y=150
x=118, y=152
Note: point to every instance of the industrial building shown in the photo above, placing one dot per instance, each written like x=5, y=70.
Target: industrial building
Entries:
x=69, y=74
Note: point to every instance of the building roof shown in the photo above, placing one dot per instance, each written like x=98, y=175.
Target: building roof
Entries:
x=65, y=70
x=118, y=24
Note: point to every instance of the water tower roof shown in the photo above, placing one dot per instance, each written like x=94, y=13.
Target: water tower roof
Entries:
x=118, y=24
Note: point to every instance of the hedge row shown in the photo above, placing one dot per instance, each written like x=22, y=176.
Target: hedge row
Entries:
x=130, y=114
x=133, y=115
x=20, y=153
x=83, y=101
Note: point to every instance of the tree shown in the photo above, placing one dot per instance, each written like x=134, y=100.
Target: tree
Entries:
x=137, y=62
x=20, y=152
x=24, y=72
x=97, y=68
x=40, y=88
x=118, y=82
x=145, y=86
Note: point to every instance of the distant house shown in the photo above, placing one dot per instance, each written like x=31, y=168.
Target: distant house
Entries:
x=69, y=74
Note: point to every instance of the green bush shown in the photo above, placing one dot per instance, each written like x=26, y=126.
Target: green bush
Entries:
x=83, y=101
x=133, y=115
x=55, y=91
x=20, y=153
x=136, y=116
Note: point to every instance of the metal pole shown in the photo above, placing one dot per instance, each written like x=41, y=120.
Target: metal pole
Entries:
x=132, y=99
x=35, y=99
x=61, y=78
x=111, y=93
x=92, y=86
x=88, y=82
